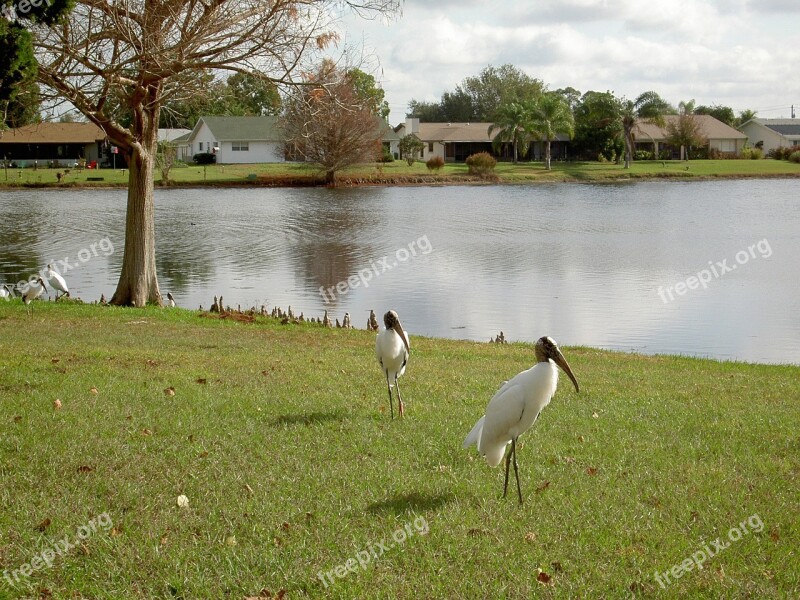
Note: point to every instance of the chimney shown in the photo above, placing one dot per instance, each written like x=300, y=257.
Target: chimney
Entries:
x=412, y=125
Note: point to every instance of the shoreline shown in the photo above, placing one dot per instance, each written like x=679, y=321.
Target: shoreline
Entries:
x=408, y=181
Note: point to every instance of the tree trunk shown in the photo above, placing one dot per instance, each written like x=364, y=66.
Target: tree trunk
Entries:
x=547, y=154
x=628, y=150
x=138, y=281
x=330, y=178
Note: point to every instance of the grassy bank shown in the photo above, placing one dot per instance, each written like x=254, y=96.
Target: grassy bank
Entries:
x=279, y=437
x=399, y=173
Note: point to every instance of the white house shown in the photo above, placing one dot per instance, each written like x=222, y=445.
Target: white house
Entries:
x=238, y=139
x=772, y=133
x=179, y=139
x=719, y=136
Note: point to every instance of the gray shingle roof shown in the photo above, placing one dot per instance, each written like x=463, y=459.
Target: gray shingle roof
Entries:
x=227, y=129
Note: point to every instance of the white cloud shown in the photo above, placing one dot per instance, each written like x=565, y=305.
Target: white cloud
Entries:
x=739, y=53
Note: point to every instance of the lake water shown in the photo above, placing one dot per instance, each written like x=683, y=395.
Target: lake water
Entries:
x=582, y=263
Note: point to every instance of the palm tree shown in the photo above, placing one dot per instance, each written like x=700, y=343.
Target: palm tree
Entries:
x=512, y=119
x=649, y=108
x=550, y=115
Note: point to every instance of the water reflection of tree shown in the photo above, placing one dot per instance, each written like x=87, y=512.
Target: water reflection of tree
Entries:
x=21, y=229
x=335, y=238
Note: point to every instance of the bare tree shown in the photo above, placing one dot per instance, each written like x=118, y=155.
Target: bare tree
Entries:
x=330, y=123
x=139, y=54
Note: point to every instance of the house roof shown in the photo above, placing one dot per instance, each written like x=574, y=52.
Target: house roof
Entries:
x=240, y=129
x=786, y=127
x=710, y=128
x=54, y=133
x=173, y=135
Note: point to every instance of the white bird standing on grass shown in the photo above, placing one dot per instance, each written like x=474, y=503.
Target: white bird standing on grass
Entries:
x=392, y=350
x=516, y=405
x=56, y=281
x=33, y=292
x=6, y=292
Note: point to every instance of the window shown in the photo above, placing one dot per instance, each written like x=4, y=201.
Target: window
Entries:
x=430, y=146
x=201, y=146
x=240, y=146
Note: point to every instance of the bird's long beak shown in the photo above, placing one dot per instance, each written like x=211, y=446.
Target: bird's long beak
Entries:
x=562, y=362
x=399, y=330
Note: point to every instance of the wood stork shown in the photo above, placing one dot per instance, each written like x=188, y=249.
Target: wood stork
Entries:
x=170, y=300
x=56, y=281
x=392, y=350
x=33, y=292
x=6, y=292
x=515, y=407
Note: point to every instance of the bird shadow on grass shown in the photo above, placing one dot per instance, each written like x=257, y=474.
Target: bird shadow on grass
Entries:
x=313, y=418
x=401, y=503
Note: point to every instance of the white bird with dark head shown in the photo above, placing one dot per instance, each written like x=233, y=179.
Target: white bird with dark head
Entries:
x=515, y=407
x=6, y=292
x=56, y=281
x=33, y=292
x=392, y=350
x=170, y=300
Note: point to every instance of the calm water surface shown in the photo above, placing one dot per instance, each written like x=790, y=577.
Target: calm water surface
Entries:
x=582, y=263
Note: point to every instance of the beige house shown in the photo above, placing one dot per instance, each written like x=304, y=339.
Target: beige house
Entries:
x=454, y=142
x=721, y=137
x=57, y=144
x=769, y=134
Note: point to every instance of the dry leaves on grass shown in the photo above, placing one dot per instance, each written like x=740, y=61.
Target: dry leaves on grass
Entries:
x=57, y=404
x=85, y=469
x=170, y=391
x=43, y=525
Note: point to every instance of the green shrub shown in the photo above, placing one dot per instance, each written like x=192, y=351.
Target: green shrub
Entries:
x=435, y=163
x=795, y=157
x=781, y=153
x=481, y=164
x=642, y=155
x=752, y=153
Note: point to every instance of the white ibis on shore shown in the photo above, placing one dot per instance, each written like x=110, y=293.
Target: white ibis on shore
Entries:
x=392, y=350
x=516, y=405
x=56, y=281
x=33, y=292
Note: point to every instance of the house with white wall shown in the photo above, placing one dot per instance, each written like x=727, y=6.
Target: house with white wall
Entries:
x=238, y=139
x=719, y=136
x=772, y=133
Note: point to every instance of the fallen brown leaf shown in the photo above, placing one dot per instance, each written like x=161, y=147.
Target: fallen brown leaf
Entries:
x=85, y=469
x=774, y=535
x=202, y=381
x=17, y=418
x=146, y=432
x=530, y=537
x=57, y=404
x=93, y=390
x=43, y=525
x=544, y=578
x=203, y=454
x=543, y=487
x=170, y=391
x=248, y=488
x=55, y=360
x=591, y=471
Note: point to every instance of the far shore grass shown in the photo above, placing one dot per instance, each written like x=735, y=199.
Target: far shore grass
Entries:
x=400, y=173
x=280, y=439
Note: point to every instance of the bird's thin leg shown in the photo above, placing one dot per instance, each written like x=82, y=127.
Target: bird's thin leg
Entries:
x=389, y=389
x=400, y=407
x=505, y=484
x=516, y=471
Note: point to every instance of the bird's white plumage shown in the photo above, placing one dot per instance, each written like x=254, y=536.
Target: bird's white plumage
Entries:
x=5, y=292
x=513, y=410
x=391, y=353
x=55, y=280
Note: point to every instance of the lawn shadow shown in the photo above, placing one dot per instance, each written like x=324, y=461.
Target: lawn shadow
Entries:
x=402, y=503
x=309, y=419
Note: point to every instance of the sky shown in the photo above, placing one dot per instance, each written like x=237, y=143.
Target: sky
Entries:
x=738, y=53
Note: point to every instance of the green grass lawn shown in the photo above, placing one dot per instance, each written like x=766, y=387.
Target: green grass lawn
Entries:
x=293, y=173
x=280, y=438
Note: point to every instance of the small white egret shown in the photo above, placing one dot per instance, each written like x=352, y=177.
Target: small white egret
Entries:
x=56, y=281
x=392, y=350
x=516, y=405
x=33, y=292
x=170, y=300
